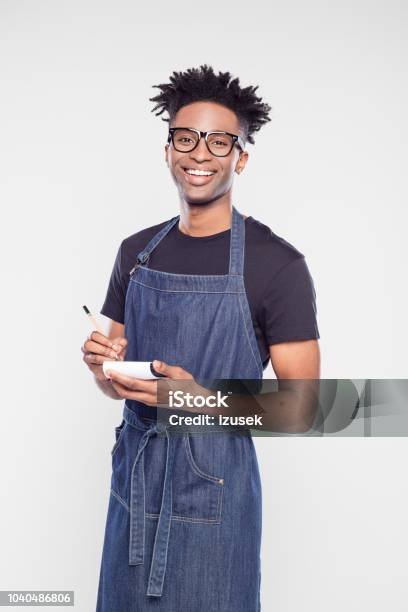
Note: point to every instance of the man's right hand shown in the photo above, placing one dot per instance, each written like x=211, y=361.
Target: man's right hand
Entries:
x=98, y=348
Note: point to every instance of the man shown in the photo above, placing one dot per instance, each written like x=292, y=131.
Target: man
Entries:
x=210, y=294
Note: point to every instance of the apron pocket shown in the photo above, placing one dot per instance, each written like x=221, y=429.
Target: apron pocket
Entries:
x=197, y=488
x=203, y=443
x=197, y=494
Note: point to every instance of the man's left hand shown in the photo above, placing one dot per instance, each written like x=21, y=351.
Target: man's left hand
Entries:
x=145, y=391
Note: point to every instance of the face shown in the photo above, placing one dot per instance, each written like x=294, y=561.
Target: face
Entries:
x=199, y=190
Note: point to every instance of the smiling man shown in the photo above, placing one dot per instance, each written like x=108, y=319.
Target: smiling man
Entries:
x=207, y=173
x=210, y=293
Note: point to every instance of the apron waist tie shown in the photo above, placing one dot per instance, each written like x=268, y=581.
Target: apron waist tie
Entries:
x=138, y=499
x=137, y=514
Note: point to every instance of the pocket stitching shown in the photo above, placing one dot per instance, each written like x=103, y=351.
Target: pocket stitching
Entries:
x=194, y=466
x=189, y=519
x=120, y=499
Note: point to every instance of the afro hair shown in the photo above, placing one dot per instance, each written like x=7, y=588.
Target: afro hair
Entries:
x=195, y=84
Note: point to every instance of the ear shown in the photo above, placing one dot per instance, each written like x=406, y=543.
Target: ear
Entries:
x=242, y=160
x=166, y=148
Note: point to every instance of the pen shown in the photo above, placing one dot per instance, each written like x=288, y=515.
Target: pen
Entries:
x=93, y=320
x=95, y=323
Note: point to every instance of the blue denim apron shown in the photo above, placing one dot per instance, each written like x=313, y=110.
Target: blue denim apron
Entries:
x=183, y=529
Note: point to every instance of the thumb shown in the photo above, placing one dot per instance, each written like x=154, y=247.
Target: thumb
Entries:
x=170, y=371
x=162, y=367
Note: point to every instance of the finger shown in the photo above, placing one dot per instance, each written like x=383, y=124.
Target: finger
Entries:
x=95, y=359
x=100, y=338
x=132, y=383
x=99, y=349
x=139, y=396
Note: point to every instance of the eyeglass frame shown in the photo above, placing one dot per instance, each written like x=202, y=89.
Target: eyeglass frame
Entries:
x=235, y=139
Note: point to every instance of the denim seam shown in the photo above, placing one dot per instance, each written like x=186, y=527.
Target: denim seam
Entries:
x=195, y=467
x=174, y=517
x=120, y=500
x=187, y=290
x=247, y=335
x=199, y=276
x=187, y=519
x=220, y=502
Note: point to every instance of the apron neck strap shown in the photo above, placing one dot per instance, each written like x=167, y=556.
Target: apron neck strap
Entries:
x=144, y=255
x=237, y=242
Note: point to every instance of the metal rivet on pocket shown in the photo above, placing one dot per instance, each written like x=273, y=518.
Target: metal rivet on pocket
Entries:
x=221, y=481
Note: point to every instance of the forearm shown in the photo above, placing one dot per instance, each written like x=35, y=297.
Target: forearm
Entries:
x=281, y=411
x=291, y=409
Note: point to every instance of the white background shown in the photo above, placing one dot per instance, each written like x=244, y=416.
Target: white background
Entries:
x=82, y=167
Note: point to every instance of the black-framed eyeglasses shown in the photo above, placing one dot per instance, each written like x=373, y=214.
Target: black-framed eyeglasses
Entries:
x=218, y=143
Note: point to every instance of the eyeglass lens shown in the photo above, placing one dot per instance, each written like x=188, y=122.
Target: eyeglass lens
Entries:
x=185, y=140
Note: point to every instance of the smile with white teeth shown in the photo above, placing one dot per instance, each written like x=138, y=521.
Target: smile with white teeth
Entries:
x=198, y=172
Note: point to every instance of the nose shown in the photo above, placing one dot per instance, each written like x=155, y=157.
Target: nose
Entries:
x=201, y=153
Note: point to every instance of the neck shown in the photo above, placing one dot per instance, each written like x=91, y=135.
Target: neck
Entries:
x=205, y=219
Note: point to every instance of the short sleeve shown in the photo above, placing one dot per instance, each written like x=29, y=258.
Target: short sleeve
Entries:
x=114, y=304
x=289, y=305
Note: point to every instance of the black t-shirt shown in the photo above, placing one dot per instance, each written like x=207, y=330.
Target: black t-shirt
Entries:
x=278, y=284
